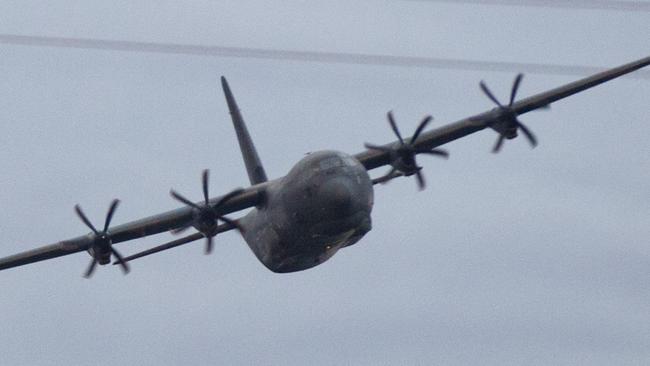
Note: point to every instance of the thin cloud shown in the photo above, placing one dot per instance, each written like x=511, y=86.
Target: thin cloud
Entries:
x=306, y=56
x=633, y=6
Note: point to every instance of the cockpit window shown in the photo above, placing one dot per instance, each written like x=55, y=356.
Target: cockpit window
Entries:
x=329, y=163
x=348, y=160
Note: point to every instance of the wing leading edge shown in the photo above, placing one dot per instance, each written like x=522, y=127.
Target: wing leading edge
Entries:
x=234, y=201
x=136, y=229
x=371, y=159
x=374, y=158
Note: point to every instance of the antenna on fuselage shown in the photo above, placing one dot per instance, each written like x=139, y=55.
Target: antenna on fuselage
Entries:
x=254, y=167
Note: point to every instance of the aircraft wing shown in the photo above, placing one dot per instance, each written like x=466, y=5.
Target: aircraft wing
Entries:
x=374, y=158
x=136, y=229
x=254, y=195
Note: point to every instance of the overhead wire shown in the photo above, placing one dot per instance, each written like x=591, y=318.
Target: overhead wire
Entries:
x=305, y=56
x=607, y=5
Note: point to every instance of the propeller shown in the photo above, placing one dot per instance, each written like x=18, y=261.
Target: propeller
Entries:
x=102, y=245
x=402, y=157
x=205, y=217
x=508, y=124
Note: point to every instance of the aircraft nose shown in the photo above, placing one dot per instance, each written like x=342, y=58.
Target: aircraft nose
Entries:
x=338, y=195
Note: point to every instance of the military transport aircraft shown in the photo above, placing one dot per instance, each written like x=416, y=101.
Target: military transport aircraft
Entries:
x=322, y=205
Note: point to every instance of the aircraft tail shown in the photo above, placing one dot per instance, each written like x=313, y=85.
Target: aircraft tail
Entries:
x=254, y=167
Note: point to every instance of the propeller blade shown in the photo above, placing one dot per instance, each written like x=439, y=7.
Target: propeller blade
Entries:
x=120, y=260
x=83, y=218
x=403, y=158
x=393, y=125
x=515, y=88
x=528, y=133
x=420, y=179
x=91, y=268
x=489, y=94
x=205, y=178
x=378, y=148
x=437, y=152
x=227, y=197
x=179, y=197
x=420, y=128
x=208, y=244
x=510, y=120
x=109, y=215
x=386, y=177
x=499, y=143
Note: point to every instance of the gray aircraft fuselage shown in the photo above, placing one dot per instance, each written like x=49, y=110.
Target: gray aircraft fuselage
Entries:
x=322, y=205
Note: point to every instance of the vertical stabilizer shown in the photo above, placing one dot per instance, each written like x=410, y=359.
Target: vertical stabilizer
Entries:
x=254, y=166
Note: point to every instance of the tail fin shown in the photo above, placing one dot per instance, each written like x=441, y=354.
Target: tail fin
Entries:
x=254, y=166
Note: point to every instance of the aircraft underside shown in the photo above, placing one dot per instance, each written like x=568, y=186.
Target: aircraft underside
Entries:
x=321, y=206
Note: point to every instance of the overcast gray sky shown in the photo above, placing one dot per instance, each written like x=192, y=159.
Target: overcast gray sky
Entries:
x=533, y=257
